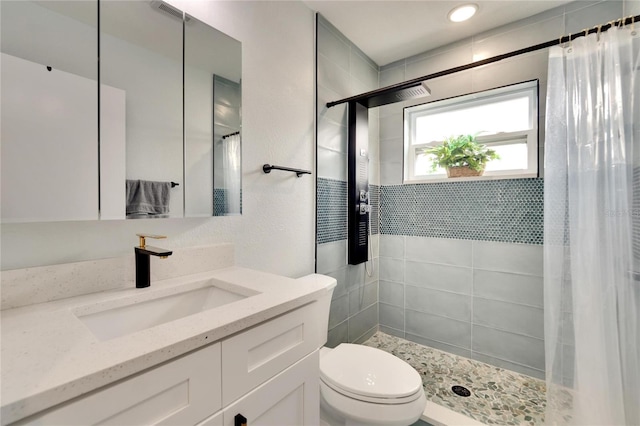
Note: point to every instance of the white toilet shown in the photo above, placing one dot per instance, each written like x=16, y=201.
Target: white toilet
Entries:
x=362, y=386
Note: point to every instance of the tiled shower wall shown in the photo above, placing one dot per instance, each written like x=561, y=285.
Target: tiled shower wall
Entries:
x=343, y=70
x=461, y=269
x=461, y=263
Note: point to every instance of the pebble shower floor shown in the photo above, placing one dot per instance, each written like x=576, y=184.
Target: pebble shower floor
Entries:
x=498, y=396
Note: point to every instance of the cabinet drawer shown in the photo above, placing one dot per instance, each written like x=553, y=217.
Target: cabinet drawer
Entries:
x=183, y=391
x=254, y=356
x=291, y=398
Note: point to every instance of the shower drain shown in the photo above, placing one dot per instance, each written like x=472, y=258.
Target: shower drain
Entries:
x=461, y=391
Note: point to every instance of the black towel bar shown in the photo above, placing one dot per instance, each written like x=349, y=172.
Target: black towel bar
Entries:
x=268, y=167
x=174, y=184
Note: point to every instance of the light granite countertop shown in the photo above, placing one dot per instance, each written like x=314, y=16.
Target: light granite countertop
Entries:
x=49, y=356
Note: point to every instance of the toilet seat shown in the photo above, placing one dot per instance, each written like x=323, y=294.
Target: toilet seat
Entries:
x=368, y=413
x=363, y=398
x=370, y=375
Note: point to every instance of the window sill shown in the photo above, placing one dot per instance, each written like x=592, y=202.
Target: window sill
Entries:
x=471, y=178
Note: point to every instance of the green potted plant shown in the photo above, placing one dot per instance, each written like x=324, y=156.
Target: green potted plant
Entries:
x=462, y=156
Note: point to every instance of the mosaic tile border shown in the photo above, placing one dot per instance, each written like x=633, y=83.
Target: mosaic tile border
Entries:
x=220, y=200
x=506, y=210
x=332, y=210
x=498, y=396
x=219, y=196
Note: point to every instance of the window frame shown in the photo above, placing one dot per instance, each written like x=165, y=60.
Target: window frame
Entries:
x=531, y=136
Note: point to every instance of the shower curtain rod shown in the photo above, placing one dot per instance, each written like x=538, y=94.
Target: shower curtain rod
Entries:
x=230, y=134
x=363, y=98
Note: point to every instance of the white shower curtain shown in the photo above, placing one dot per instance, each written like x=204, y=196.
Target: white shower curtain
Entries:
x=232, y=175
x=592, y=232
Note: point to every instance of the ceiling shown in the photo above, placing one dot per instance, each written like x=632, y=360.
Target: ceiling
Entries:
x=390, y=30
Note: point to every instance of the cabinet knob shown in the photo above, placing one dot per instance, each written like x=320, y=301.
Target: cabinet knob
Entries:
x=240, y=420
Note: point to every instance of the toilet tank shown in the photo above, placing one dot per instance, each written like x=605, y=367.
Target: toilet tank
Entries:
x=324, y=302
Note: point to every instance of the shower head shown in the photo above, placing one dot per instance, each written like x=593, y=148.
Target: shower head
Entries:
x=418, y=90
x=387, y=95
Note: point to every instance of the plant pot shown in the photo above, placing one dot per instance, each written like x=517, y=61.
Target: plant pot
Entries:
x=463, y=171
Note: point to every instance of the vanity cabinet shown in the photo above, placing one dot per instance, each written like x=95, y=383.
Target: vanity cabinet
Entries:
x=180, y=392
x=252, y=357
x=269, y=373
x=290, y=398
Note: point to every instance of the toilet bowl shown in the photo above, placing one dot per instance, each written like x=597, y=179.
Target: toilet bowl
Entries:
x=362, y=386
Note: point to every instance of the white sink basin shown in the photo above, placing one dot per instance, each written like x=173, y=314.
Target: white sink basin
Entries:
x=130, y=315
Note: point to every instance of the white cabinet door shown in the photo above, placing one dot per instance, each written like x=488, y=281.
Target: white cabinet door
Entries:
x=292, y=398
x=258, y=354
x=181, y=392
x=215, y=420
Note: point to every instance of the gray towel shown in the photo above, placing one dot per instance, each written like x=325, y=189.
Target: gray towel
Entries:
x=147, y=198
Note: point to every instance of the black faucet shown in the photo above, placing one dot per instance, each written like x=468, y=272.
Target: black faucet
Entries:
x=143, y=261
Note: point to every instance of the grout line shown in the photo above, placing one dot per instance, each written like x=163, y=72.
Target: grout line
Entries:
x=507, y=331
x=363, y=334
x=472, y=294
x=440, y=316
x=363, y=309
x=437, y=263
x=509, y=302
x=436, y=289
x=510, y=272
x=510, y=362
x=392, y=328
x=341, y=322
x=438, y=341
x=404, y=287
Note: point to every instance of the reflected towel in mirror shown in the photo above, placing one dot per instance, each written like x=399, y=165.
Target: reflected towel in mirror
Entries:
x=147, y=198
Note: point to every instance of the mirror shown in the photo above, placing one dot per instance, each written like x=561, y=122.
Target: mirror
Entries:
x=212, y=103
x=141, y=98
x=161, y=120
x=49, y=111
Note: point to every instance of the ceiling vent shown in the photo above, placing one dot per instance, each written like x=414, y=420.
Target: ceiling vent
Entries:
x=169, y=10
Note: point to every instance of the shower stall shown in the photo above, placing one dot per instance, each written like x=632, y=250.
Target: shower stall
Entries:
x=460, y=271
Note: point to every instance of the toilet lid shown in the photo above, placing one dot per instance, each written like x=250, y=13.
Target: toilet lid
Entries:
x=369, y=372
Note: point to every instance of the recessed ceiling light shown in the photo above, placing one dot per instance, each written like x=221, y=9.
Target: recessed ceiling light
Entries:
x=462, y=13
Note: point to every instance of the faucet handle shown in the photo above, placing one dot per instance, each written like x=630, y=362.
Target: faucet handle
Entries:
x=143, y=236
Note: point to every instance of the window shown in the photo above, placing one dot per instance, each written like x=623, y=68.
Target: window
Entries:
x=505, y=119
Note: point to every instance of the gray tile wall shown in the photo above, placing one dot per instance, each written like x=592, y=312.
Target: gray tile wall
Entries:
x=478, y=299
x=343, y=70
x=354, y=306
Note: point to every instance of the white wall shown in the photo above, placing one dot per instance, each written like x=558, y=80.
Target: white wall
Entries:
x=276, y=231
x=49, y=121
